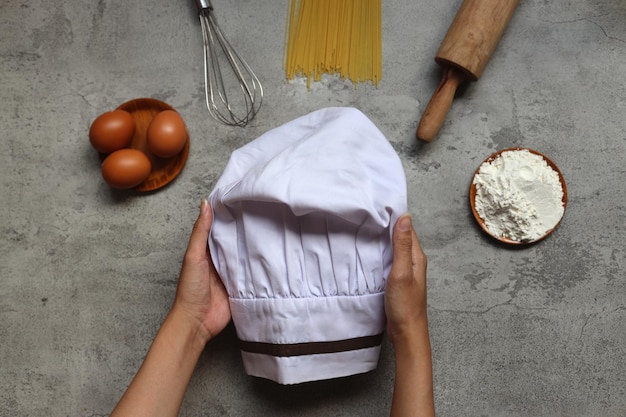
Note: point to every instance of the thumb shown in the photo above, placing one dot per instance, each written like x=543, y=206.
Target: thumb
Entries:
x=200, y=233
x=402, y=248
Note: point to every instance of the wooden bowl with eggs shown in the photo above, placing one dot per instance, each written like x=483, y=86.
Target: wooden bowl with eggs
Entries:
x=166, y=153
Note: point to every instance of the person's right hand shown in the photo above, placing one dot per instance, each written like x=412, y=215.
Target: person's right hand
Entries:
x=407, y=325
x=405, y=292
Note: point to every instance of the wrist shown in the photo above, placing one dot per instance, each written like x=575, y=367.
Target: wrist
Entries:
x=413, y=340
x=190, y=327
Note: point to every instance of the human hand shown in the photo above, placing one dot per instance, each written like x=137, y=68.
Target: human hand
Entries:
x=201, y=294
x=405, y=292
x=200, y=311
x=407, y=325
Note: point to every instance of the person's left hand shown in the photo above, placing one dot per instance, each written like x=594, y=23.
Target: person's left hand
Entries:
x=201, y=294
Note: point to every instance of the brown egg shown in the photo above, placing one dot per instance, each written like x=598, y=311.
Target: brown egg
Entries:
x=112, y=131
x=126, y=168
x=167, y=134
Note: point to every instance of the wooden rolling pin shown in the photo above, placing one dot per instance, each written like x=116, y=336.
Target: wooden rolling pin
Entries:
x=463, y=54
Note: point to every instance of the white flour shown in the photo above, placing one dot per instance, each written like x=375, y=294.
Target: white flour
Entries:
x=519, y=196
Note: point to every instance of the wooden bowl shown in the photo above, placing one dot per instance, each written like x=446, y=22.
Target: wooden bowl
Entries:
x=164, y=170
x=481, y=222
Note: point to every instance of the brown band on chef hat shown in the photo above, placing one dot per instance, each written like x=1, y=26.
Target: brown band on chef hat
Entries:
x=301, y=237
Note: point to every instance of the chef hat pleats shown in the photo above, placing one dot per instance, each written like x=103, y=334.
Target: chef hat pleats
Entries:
x=301, y=238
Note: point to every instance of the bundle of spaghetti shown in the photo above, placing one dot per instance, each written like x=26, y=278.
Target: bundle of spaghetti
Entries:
x=338, y=37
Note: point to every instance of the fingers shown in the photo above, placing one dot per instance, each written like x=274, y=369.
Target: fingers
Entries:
x=417, y=253
x=200, y=233
x=407, y=250
x=402, y=248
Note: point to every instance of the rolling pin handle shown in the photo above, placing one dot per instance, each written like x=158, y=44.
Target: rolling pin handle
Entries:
x=439, y=104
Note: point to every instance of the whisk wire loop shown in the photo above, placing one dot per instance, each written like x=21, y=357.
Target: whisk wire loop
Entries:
x=219, y=102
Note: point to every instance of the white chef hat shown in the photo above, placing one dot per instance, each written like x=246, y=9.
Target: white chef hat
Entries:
x=301, y=238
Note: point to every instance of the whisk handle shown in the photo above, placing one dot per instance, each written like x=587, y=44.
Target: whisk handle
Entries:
x=204, y=5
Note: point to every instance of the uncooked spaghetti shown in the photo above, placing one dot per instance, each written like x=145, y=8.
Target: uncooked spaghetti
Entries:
x=338, y=37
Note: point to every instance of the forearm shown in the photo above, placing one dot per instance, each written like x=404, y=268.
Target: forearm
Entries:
x=160, y=384
x=413, y=390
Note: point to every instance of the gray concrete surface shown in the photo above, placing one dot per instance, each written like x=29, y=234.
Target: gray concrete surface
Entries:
x=88, y=273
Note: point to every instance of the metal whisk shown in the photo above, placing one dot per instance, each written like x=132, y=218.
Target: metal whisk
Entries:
x=217, y=54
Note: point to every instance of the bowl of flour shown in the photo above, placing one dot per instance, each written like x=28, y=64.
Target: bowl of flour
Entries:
x=518, y=196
